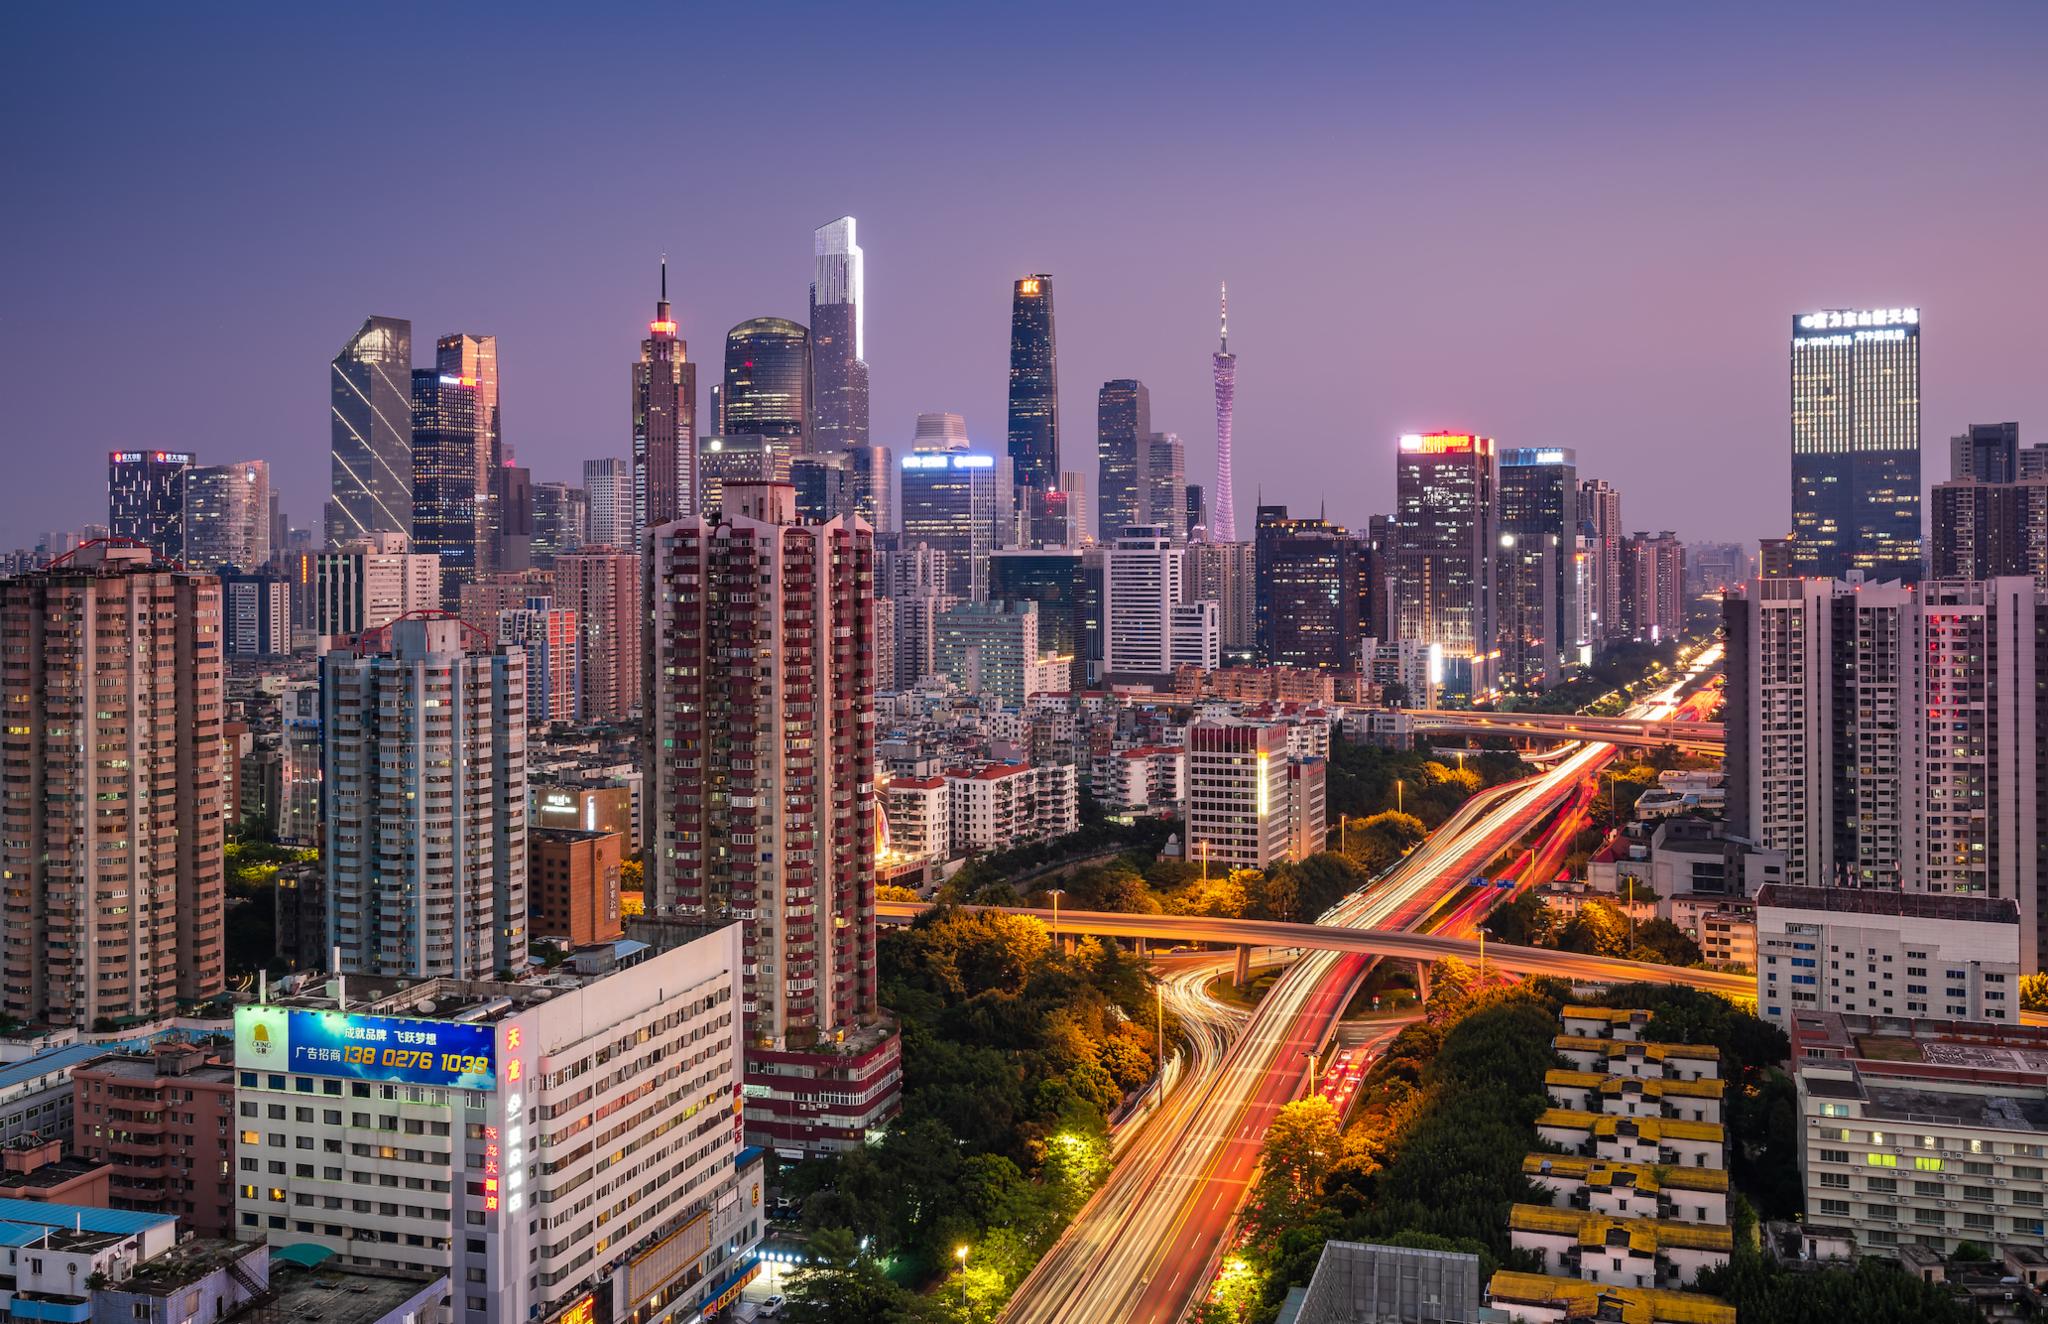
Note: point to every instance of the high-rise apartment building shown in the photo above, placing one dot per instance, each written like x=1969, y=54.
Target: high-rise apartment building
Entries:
x=740, y=458
x=450, y=488
x=664, y=423
x=561, y=515
x=1445, y=536
x=1141, y=587
x=1986, y=452
x=146, y=499
x=112, y=803
x=256, y=614
x=1034, y=390
x=552, y=640
x=367, y=584
x=1223, y=373
x=759, y=698
x=1653, y=585
x=1856, y=443
x=424, y=802
x=768, y=382
x=1248, y=805
x=1600, y=524
x=1313, y=598
x=609, y=486
x=227, y=516
x=958, y=503
x=370, y=398
x=992, y=648
x=163, y=1124
x=1226, y=573
x=1539, y=499
x=839, y=369
x=1163, y=484
x=1884, y=737
x=1123, y=419
x=602, y=586
x=1983, y=530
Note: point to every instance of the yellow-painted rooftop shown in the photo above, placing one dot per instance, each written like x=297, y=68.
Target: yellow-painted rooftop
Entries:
x=1622, y=1047
x=1600, y=1080
x=1651, y=1128
x=1639, y=1305
x=1645, y=1235
x=1612, y=1015
x=1648, y=1176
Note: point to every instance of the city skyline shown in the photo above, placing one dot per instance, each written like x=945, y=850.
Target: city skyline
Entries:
x=1438, y=316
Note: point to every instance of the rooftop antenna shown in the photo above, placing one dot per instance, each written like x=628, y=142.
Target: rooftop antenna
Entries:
x=1226, y=316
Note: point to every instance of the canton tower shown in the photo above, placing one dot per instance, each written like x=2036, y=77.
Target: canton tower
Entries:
x=1223, y=507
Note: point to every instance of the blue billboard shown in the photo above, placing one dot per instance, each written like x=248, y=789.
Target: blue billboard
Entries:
x=397, y=1050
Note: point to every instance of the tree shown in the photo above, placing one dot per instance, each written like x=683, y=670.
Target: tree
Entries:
x=1302, y=1145
x=2034, y=991
x=1597, y=928
x=632, y=875
x=1374, y=843
x=840, y=1285
x=1662, y=941
x=1522, y=922
x=1324, y=879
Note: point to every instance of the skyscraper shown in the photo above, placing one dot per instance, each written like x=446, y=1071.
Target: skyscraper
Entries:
x=552, y=640
x=1163, y=484
x=1980, y=530
x=1445, y=538
x=472, y=361
x=1123, y=419
x=561, y=517
x=609, y=484
x=602, y=586
x=1051, y=578
x=1314, y=594
x=955, y=501
x=767, y=382
x=1226, y=573
x=1653, y=585
x=723, y=459
x=839, y=370
x=1141, y=587
x=1600, y=524
x=370, y=391
x=1856, y=443
x=111, y=828
x=424, y=797
x=1986, y=452
x=146, y=499
x=227, y=515
x=760, y=705
x=664, y=423
x=1034, y=389
x=1223, y=368
x=448, y=518
x=1539, y=499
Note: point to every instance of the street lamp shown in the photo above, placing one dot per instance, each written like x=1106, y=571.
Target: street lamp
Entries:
x=960, y=1254
x=1056, y=894
x=1400, y=789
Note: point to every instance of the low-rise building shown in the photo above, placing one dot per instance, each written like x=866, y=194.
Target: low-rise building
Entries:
x=1146, y=779
x=1620, y=1252
x=1629, y=1096
x=1000, y=805
x=572, y=884
x=1356, y=1281
x=1646, y=1061
x=1534, y=1298
x=918, y=811
x=1619, y=1139
x=1879, y=953
x=1631, y=1190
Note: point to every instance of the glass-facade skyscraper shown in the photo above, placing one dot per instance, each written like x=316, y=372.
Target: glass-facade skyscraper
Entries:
x=1034, y=387
x=839, y=369
x=447, y=515
x=767, y=382
x=1445, y=532
x=664, y=423
x=371, y=432
x=1539, y=499
x=146, y=499
x=1314, y=591
x=1123, y=420
x=1856, y=443
x=1054, y=579
x=956, y=502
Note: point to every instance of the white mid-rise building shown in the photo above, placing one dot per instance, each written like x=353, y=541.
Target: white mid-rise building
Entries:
x=1008, y=804
x=1838, y=949
x=539, y=1144
x=1250, y=805
x=1197, y=635
x=1141, y=586
x=919, y=814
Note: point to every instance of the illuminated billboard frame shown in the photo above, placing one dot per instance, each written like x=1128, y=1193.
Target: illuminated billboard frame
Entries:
x=398, y=1050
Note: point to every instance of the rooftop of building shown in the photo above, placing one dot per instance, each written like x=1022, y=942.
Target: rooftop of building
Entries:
x=1650, y=1128
x=1612, y=1015
x=25, y=1221
x=187, y=1062
x=1889, y=905
x=1629, y=1047
x=988, y=772
x=1643, y=1235
x=185, y=1264
x=335, y=1296
x=1995, y=1112
x=1647, y=1176
x=1921, y=1048
x=1606, y=1084
x=49, y=1176
x=1580, y=1299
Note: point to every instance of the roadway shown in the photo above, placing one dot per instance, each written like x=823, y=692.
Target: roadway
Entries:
x=1710, y=737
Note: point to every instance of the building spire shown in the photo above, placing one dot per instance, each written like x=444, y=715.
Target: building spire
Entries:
x=1226, y=318
x=664, y=278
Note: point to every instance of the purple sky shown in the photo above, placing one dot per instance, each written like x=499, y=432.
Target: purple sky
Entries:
x=1584, y=227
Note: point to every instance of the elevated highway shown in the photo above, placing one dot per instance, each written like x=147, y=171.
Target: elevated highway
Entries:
x=1641, y=732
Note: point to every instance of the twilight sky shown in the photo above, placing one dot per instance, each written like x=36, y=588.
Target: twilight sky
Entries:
x=1584, y=225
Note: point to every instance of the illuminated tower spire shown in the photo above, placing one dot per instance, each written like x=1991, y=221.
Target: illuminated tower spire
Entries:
x=1223, y=506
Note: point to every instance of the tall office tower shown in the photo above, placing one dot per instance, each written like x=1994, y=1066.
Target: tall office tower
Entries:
x=1034, y=391
x=940, y=432
x=1987, y=452
x=839, y=369
x=664, y=424
x=111, y=820
x=369, y=583
x=1982, y=530
x=1856, y=443
x=472, y=361
x=1080, y=521
x=1539, y=498
x=2033, y=461
x=227, y=516
x=767, y=383
x=561, y=516
x=1226, y=573
x=759, y=696
x=1051, y=578
x=1314, y=591
x=1163, y=484
x=1123, y=419
x=1774, y=558
x=1381, y=536
x=552, y=640
x=737, y=459
x=609, y=485
x=956, y=502
x=1600, y=521
x=1195, y=509
x=449, y=516
x=1141, y=587
x=511, y=511
x=424, y=802
x=991, y=648
x=1196, y=639
x=871, y=479
x=1446, y=533
x=1525, y=577
x=1240, y=808
x=1653, y=585
x=824, y=483
x=370, y=392
x=256, y=614
x=146, y=499
x=914, y=636
x=602, y=586
x=1888, y=738
x=1223, y=370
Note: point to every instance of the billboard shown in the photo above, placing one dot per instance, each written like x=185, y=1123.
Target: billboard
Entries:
x=400, y=1050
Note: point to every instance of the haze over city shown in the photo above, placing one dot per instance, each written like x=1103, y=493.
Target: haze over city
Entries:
x=1586, y=227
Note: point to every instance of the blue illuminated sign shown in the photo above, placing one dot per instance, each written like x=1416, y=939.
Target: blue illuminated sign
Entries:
x=395, y=1049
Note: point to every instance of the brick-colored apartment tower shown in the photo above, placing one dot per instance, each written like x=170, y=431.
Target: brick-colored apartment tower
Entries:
x=602, y=586
x=760, y=703
x=164, y=1123
x=111, y=810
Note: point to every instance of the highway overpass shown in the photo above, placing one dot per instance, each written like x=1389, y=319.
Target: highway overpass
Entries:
x=1653, y=733
x=1375, y=942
